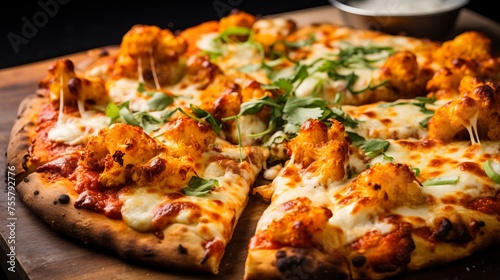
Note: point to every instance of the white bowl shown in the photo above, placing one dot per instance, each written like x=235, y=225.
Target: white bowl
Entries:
x=432, y=19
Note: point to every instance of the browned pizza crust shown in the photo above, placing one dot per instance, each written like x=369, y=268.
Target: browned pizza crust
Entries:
x=22, y=133
x=53, y=200
x=294, y=263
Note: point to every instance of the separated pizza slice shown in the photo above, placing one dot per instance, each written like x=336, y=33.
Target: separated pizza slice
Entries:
x=410, y=205
x=171, y=202
x=294, y=236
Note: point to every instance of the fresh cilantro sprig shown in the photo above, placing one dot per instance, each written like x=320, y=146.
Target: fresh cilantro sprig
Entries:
x=123, y=113
x=371, y=147
x=203, y=116
x=419, y=101
x=352, y=57
x=290, y=113
x=198, y=186
x=158, y=101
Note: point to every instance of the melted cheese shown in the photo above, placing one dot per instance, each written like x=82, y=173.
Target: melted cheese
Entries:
x=249, y=125
x=73, y=130
x=391, y=120
x=446, y=161
x=357, y=223
x=138, y=206
x=214, y=211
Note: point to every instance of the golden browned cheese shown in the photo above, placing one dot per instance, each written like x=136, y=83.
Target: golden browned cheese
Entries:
x=150, y=53
x=126, y=153
x=374, y=188
x=62, y=79
x=321, y=151
x=475, y=115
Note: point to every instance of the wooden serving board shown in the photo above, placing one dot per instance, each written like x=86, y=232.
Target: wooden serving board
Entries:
x=42, y=253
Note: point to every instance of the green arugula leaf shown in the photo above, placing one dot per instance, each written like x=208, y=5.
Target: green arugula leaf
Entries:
x=166, y=116
x=357, y=140
x=422, y=101
x=375, y=147
x=142, y=119
x=199, y=187
x=159, y=101
x=147, y=122
x=254, y=106
x=424, y=123
x=141, y=87
x=341, y=116
x=127, y=117
x=350, y=58
x=298, y=110
x=113, y=110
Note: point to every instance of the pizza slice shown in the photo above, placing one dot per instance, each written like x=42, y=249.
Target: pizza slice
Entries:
x=417, y=205
x=382, y=207
x=172, y=204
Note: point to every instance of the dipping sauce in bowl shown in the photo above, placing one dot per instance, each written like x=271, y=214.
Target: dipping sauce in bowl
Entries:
x=420, y=18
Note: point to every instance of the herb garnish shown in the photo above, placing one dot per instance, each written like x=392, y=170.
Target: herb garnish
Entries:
x=439, y=181
x=199, y=187
x=371, y=147
x=203, y=116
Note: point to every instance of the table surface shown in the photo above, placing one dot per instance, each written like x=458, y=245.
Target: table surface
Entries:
x=42, y=253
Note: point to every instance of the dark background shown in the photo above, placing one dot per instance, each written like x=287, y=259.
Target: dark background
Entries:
x=74, y=25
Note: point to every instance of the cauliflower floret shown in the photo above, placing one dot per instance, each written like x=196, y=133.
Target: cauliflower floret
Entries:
x=270, y=31
x=384, y=186
x=151, y=53
x=62, y=78
x=402, y=72
x=300, y=224
x=468, y=54
x=322, y=151
x=126, y=154
x=476, y=114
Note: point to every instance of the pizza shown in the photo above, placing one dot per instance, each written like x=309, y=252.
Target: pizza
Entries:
x=377, y=154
